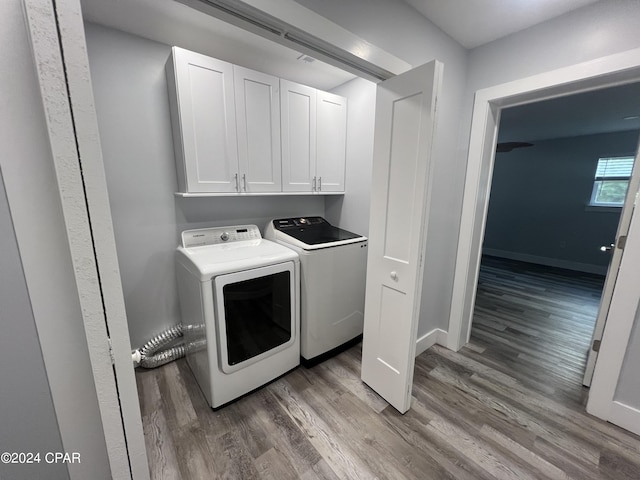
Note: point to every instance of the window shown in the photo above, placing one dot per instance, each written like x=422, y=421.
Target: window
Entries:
x=611, y=181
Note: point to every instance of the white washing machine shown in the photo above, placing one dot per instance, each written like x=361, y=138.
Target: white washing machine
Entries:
x=333, y=265
x=239, y=301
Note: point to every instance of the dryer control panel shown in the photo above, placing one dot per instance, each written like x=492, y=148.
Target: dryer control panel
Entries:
x=218, y=235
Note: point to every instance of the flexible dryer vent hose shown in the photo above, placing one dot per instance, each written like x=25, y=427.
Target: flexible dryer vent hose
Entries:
x=160, y=358
x=148, y=355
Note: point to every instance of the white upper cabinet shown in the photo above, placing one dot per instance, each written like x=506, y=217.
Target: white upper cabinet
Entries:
x=331, y=141
x=204, y=122
x=314, y=136
x=298, y=110
x=236, y=130
x=258, y=121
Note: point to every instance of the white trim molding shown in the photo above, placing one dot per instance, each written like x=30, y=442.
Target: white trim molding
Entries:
x=437, y=336
x=625, y=416
x=547, y=261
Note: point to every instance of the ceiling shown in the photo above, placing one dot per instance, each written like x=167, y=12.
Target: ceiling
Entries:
x=475, y=22
x=598, y=111
x=173, y=23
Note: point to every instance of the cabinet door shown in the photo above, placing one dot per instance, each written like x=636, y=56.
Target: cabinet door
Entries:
x=298, y=110
x=206, y=122
x=258, y=121
x=331, y=142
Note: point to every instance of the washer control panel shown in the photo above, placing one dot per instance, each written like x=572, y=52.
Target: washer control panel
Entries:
x=286, y=223
x=219, y=235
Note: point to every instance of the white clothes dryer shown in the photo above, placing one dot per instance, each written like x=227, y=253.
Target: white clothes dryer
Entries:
x=239, y=300
x=333, y=265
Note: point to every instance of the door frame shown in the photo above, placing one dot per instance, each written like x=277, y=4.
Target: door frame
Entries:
x=604, y=72
x=61, y=64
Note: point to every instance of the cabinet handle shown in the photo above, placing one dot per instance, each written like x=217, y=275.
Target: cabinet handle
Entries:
x=313, y=188
x=236, y=180
x=244, y=181
x=319, y=184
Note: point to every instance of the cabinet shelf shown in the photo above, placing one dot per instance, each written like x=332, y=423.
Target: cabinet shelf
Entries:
x=265, y=194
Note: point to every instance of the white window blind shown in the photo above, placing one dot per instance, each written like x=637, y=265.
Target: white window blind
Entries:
x=611, y=181
x=617, y=167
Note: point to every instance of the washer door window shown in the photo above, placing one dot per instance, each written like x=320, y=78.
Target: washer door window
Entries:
x=256, y=314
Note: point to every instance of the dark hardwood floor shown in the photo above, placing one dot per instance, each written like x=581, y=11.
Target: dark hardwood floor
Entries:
x=509, y=405
x=537, y=319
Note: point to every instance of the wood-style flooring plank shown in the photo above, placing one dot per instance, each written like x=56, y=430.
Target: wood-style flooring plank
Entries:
x=321, y=430
x=509, y=405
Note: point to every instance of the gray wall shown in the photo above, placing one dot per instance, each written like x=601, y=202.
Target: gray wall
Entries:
x=538, y=196
x=133, y=116
x=27, y=418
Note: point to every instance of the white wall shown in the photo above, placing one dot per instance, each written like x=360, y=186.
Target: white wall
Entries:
x=594, y=31
x=26, y=406
x=537, y=210
x=34, y=203
x=399, y=29
x=351, y=210
x=135, y=130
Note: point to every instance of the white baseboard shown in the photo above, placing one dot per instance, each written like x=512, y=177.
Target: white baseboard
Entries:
x=549, y=262
x=435, y=336
x=625, y=417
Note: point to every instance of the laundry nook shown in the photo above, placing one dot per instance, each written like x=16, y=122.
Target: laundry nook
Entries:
x=302, y=239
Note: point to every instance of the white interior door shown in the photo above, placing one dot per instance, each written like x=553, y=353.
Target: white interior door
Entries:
x=405, y=113
x=608, y=399
x=612, y=273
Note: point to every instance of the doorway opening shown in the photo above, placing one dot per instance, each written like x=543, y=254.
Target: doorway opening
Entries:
x=545, y=251
x=488, y=104
x=612, y=71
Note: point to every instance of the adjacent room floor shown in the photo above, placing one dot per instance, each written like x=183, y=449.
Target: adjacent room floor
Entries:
x=509, y=405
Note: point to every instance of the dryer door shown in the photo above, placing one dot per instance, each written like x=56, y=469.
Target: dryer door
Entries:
x=256, y=312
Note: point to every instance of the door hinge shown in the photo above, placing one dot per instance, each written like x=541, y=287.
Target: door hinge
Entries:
x=113, y=358
x=622, y=242
x=596, y=345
